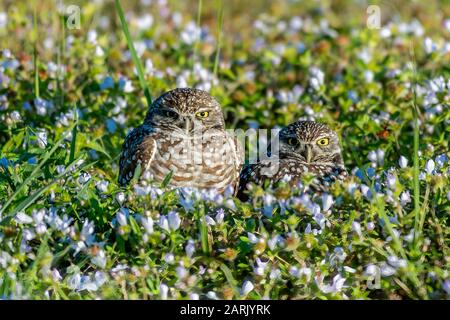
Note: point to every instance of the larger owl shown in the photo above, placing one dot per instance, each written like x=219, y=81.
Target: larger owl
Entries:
x=303, y=146
x=183, y=135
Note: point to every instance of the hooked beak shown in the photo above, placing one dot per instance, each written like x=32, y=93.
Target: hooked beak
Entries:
x=308, y=153
x=188, y=125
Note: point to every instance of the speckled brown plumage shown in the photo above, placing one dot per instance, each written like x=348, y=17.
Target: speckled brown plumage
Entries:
x=174, y=138
x=299, y=152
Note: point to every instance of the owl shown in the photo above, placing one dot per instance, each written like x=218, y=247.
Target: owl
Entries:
x=183, y=135
x=303, y=146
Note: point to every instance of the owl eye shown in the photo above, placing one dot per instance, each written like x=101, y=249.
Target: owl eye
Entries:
x=292, y=142
x=202, y=114
x=323, y=142
x=170, y=114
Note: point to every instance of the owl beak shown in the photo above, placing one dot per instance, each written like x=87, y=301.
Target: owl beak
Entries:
x=308, y=153
x=188, y=124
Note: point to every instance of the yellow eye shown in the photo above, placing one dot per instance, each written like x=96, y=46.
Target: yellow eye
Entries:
x=292, y=142
x=323, y=142
x=202, y=114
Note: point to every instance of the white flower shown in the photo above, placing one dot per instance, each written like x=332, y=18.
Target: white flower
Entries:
x=121, y=216
x=356, y=226
x=190, y=248
x=391, y=180
x=296, y=23
x=169, y=258
x=370, y=225
x=247, y=287
x=23, y=218
x=377, y=156
x=144, y=22
x=252, y=238
x=181, y=272
x=102, y=186
x=100, y=278
x=429, y=45
x=220, y=215
x=74, y=281
x=396, y=262
x=147, y=223
x=190, y=34
x=174, y=220
x=84, y=177
x=430, y=166
x=371, y=270
x=403, y=162
x=3, y=20
x=336, y=286
x=164, y=223
x=405, y=198
x=387, y=270
x=120, y=197
x=327, y=201
x=163, y=291
x=210, y=221
x=194, y=296
x=212, y=295
x=317, y=78
x=41, y=138
x=99, y=259
x=368, y=76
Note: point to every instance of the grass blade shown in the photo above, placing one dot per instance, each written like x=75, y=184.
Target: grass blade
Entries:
x=219, y=38
x=35, y=53
x=134, y=56
x=199, y=15
x=416, y=181
x=36, y=170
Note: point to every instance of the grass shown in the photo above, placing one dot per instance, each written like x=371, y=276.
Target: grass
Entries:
x=69, y=231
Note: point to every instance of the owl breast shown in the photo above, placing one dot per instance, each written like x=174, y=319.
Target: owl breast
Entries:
x=203, y=161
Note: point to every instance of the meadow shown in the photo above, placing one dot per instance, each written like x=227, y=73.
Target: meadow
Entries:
x=71, y=88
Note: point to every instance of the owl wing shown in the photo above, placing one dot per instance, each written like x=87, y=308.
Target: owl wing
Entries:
x=139, y=148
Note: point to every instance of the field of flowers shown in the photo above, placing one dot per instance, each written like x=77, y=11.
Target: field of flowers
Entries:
x=69, y=94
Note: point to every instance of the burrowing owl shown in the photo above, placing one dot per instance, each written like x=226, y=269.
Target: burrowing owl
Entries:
x=183, y=133
x=303, y=146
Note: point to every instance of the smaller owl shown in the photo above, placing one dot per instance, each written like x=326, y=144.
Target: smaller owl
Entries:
x=303, y=146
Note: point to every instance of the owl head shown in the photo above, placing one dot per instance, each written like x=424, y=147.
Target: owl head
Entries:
x=311, y=142
x=185, y=111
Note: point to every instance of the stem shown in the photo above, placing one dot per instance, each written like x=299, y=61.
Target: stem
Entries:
x=219, y=38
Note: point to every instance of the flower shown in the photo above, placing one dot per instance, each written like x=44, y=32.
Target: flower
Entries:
x=190, y=248
x=107, y=83
x=147, y=223
x=3, y=20
x=220, y=215
x=174, y=220
x=429, y=167
x=316, y=78
x=405, y=198
x=102, y=186
x=356, y=226
x=247, y=287
x=327, y=201
x=252, y=238
x=23, y=218
x=163, y=291
x=402, y=162
x=122, y=216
